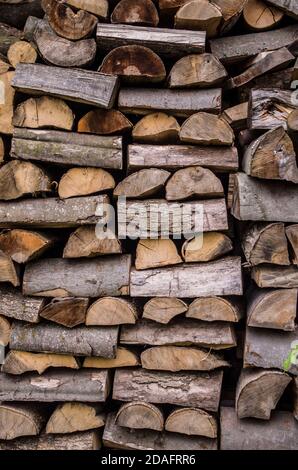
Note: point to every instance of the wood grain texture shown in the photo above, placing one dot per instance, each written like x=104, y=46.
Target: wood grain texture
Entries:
x=290, y=7
x=270, y=108
x=20, y=420
x=275, y=276
x=19, y=362
x=88, y=440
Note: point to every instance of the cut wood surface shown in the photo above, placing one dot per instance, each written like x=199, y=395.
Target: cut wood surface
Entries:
x=63, y=148
x=192, y=422
x=140, y=415
x=292, y=236
x=199, y=15
x=214, y=309
x=275, y=276
x=19, y=362
x=44, y=112
x=289, y=7
x=119, y=437
x=6, y=102
x=69, y=311
x=78, y=278
x=24, y=245
x=111, y=311
x=20, y=420
x=163, y=309
x=236, y=116
x=181, y=103
x=200, y=71
x=21, y=52
x=156, y=253
x=156, y=128
x=221, y=277
x=206, y=129
x=280, y=433
x=270, y=108
x=84, y=243
x=210, y=246
x=104, y=122
x=99, y=8
x=260, y=16
x=84, y=86
x=15, y=305
x=124, y=358
x=9, y=271
x=180, y=332
x=163, y=41
x=258, y=392
x=264, y=200
x=176, y=359
x=193, y=182
x=187, y=389
x=9, y=35
x=5, y=329
x=64, y=385
x=173, y=157
x=84, y=181
x=72, y=417
x=135, y=12
x=88, y=440
x=4, y=65
x=143, y=183
x=272, y=308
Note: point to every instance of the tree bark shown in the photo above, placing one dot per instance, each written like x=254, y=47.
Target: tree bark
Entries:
x=73, y=417
x=69, y=311
x=140, y=415
x=88, y=440
x=20, y=307
x=19, y=362
x=20, y=420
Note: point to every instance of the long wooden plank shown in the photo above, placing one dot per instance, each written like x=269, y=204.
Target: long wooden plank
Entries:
x=270, y=107
x=290, y=7
x=221, y=277
x=65, y=148
x=93, y=88
x=86, y=440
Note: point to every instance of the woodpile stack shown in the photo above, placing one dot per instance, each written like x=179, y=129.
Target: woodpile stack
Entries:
x=143, y=120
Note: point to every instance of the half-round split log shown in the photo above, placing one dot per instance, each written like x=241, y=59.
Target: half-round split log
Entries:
x=200, y=71
x=24, y=245
x=108, y=311
x=124, y=358
x=104, y=122
x=163, y=309
x=192, y=422
x=20, y=420
x=84, y=243
x=72, y=417
x=19, y=362
x=84, y=181
x=292, y=236
x=208, y=247
x=140, y=415
x=9, y=271
x=21, y=52
x=5, y=329
x=156, y=128
x=68, y=312
x=199, y=15
x=135, y=12
x=214, y=309
x=156, y=253
x=206, y=129
x=260, y=17
x=142, y=183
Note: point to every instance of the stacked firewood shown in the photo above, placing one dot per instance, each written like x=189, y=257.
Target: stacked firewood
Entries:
x=117, y=330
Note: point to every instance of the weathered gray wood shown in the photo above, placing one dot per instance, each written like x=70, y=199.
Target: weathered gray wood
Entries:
x=87, y=87
x=65, y=385
x=187, y=389
x=88, y=440
x=215, y=335
x=290, y=7
x=15, y=305
x=64, y=148
x=264, y=200
x=270, y=108
x=8, y=36
x=234, y=48
x=285, y=277
x=78, y=278
x=177, y=102
x=173, y=157
x=53, y=212
x=165, y=42
x=50, y=338
x=280, y=433
x=221, y=277
x=118, y=437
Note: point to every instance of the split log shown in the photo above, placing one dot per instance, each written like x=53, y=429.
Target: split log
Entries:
x=192, y=422
x=17, y=12
x=21, y=52
x=134, y=64
x=259, y=350
x=99, y=8
x=231, y=12
x=156, y=128
x=23, y=245
x=6, y=102
x=140, y=415
x=176, y=359
x=163, y=309
x=67, y=23
x=200, y=389
x=104, y=122
x=296, y=398
x=156, y=253
x=264, y=200
x=265, y=243
x=9, y=271
x=15, y=305
x=290, y=8
x=173, y=157
x=270, y=108
x=260, y=16
x=271, y=156
x=19, y=362
x=236, y=116
x=88, y=440
x=5, y=329
x=273, y=308
x=78, y=278
x=258, y=392
x=275, y=276
x=222, y=277
x=9, y=35
x=213, y=335
x=214, y=309
x=206, y=129
x=292, y=236
x=198, y=71
x=138, y=219
x=20, y=420
x=199, y=15
x=181, y=103
x=193, y=182
x=135, y=12
x=210, y=246
x=280, y=433
x=124, y=358
x=142, y=184
x=119, y=437
x=45, y=111
x=109, y=311
x=69, y=311
x=236, y=48
x=84, y=243
x=165, y=42
x=83, y=86
x=64, y=385
x=84, y=181
x=73, y=417
x=53, y=213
